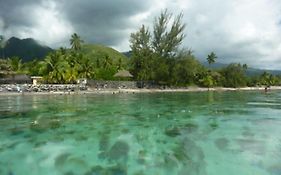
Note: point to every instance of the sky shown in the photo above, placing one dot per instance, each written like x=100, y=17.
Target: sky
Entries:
x=245, y=31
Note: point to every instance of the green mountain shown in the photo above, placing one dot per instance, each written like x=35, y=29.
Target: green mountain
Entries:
x=26, y=49
x=250, y=71
x=127, y=54
x=100, y=52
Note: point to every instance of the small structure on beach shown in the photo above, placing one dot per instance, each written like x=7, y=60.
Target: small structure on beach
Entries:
x=82, y=81
x=123, y=74
x=16, y=79
x=36, y=79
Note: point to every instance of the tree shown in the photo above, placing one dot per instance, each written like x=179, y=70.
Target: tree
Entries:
x=107, y=63
x=268, y=79
x=211, y=58
x=86, y=68
x=57, y=68
x=15, y=64
x=245, y=67
x=166, y=41
x=76, y=42
x=208, y=81
x=154, y=55
x=2, y=46
x=234, y=76
x=141, y=54
x=186, y=70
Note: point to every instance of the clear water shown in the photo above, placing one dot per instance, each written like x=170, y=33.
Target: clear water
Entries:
x=203, y=133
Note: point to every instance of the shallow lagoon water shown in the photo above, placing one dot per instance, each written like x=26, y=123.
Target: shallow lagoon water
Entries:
x=194, y=133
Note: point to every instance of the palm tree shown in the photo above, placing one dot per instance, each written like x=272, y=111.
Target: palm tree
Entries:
x=86, y=68
x=76, y=42
x=2, y=45
x=120, y=64
x=211, y=58
x=245, y=67
x=15, y=64
x=57, y=68
x=107, y=62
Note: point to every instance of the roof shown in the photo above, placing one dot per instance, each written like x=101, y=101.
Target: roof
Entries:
x=7, y=72
x=123, y=73
x=21, y=77
x=36, y=77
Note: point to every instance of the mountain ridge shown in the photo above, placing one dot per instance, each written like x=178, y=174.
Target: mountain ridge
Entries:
x=27, y=49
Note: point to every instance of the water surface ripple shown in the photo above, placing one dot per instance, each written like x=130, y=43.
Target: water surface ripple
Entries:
x=195, y=133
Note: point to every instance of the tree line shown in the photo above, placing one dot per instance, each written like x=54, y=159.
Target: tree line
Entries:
x=156, y=55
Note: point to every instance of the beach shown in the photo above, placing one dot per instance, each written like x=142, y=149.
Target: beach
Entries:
x=89, y=90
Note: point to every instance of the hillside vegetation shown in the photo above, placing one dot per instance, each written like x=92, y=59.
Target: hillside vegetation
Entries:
x=100, y=52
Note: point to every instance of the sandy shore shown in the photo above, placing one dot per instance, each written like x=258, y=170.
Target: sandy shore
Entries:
x=118, y=91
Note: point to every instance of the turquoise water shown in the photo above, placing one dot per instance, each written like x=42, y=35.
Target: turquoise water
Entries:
x=203, y=133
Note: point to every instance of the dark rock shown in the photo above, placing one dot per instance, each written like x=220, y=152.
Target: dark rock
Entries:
x=125, y=130
x=81, y=138
x=214, y=125
x=119, y=150
x=43, y=124
x=96, y=170
x=141, y=157
x=69, y=173
x=104, y=143
x=55, y=123
x=102, y=155
x=17, y=130
x=172, y=131
x=191, y=127
x=221, y=144
x=114, y=170
x=61, y=159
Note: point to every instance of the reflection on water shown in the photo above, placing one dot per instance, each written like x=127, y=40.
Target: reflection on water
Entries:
x=200, y=133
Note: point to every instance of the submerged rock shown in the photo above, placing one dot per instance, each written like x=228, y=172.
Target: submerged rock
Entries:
x=172, y=131
x=81, y=138
x=16, y=130
x=214, y=125
x=222, y=144
x=141, y=157
x=119, y=150
x=191, y=156
x=191, y=127
x=104, y=143
x=69, y=173
x=171, y=161
x=96, y=170
x=116, y=170
x=61, y=159
x=274, y=169
x=113, y=170
x=43, y=124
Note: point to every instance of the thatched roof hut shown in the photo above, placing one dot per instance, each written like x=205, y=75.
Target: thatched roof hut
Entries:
x=16, y=78
x=123, y=74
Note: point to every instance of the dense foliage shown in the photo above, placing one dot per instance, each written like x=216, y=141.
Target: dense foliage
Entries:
x=155, y=56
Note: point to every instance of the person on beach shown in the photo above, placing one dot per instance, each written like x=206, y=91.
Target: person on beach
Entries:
x=266, y=89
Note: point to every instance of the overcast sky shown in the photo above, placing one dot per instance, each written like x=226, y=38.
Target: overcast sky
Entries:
x=246, y=31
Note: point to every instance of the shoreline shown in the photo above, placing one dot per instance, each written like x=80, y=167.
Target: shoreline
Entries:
x=133, y=91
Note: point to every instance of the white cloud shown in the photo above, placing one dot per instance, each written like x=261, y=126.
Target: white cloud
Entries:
x=238, y=31
x=49, y=26
x=243, y=31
